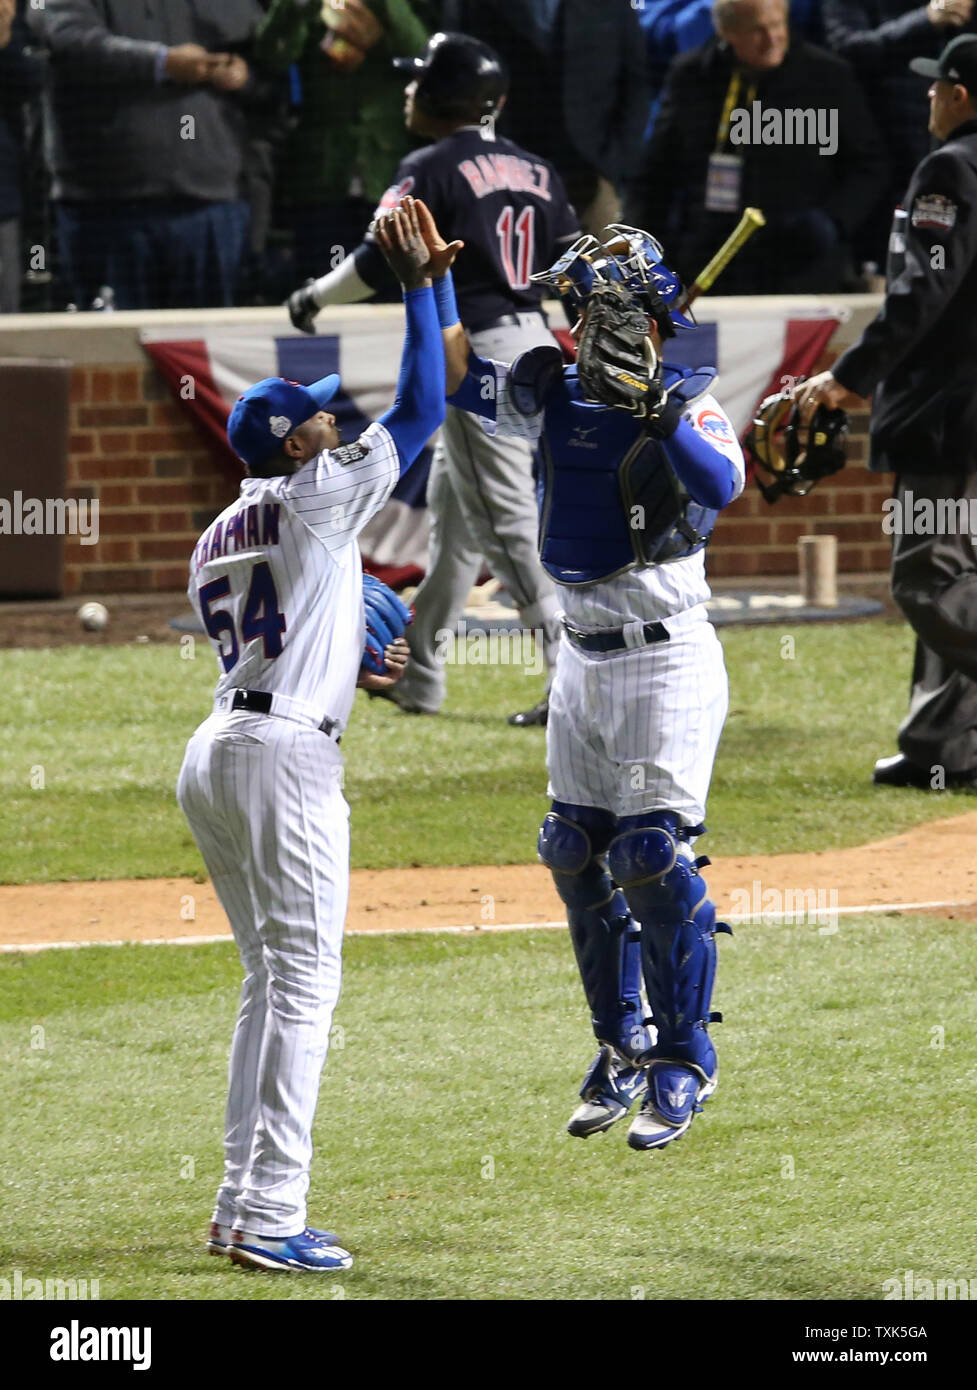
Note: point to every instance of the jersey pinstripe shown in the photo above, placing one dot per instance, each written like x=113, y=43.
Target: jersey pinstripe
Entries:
x=277, y=578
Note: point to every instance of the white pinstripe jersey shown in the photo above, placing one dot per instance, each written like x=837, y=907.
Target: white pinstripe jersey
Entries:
x=657, y=591
x=278, y=582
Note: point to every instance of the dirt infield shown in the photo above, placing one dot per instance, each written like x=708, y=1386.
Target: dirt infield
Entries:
x=933, y=865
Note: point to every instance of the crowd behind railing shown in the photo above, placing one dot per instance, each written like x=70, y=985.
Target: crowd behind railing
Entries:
x=193, y=153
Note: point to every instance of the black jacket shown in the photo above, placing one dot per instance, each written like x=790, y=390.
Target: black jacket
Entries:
x=878, y=37
x=21, y=75
x=113, y=130
x=578, y=95
x=920, y=351
x=668, y=198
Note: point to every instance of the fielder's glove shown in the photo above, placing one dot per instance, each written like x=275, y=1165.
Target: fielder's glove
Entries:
x=302, y=308
x=387, y=618
x=617, y=363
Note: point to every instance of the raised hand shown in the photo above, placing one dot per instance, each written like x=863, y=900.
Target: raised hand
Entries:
x=441, y=252
x=404, y=249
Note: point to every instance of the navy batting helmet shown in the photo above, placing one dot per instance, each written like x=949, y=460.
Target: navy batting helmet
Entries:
x=459, y=78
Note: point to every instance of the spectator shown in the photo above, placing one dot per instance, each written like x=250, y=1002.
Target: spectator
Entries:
x=722, y=142
x=878, y=37
x=335, y=163
x=674, y=26
x=578, y=93
x=147, y=142
x=20, y=78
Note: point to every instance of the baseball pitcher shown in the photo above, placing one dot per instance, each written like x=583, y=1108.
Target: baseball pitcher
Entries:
x=277, y=582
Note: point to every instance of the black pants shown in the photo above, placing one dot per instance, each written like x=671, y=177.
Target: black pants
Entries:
x=934, y=582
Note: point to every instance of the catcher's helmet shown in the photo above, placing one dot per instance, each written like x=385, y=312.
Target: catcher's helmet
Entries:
x=458, y=78
x=625, y=255
x=794, y=455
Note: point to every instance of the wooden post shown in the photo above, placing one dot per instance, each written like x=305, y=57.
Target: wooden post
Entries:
x=817, y=558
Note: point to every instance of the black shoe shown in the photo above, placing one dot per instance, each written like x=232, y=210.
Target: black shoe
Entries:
x=537, y=715
x=898, y=771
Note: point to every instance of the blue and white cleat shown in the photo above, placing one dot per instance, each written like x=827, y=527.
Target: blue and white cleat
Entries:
x=219, y=1238
x=676, y=1091
x=302, y=1252
x=609, y=1089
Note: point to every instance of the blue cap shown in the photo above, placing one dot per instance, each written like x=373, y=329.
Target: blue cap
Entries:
x=268, y=412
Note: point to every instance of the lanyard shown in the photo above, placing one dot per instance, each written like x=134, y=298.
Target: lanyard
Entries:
x=732, y=95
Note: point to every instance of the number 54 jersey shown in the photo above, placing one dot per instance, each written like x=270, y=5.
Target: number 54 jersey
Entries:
x=277, y=579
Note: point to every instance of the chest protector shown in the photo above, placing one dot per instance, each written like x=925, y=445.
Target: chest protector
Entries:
x=609, y=499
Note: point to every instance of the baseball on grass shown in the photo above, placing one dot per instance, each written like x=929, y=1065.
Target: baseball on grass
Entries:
x=94, y=617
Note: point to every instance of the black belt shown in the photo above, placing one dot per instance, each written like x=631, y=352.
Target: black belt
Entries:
x=506, y=321
x=613, y=639
x=259, y=702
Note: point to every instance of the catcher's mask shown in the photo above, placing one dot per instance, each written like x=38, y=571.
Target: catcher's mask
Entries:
x=627, y=256
x=795, y=455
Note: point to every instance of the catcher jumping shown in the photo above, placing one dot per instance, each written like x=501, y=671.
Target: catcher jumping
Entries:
x=636, y=460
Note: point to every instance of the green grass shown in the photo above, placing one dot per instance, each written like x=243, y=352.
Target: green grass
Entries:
x=832, y=1157
x=108, y=728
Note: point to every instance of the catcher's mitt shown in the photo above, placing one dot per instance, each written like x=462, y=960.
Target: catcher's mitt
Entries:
x=386, y=619
x=795, y=455
x=616, y=361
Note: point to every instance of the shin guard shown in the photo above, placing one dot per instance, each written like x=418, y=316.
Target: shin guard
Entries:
x=660, y=878
x=605, y=939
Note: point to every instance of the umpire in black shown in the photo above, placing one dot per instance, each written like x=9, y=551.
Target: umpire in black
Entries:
x=919, y=356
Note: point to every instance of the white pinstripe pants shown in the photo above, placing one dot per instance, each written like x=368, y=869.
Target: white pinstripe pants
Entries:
x=264, y=800
x=638, y=730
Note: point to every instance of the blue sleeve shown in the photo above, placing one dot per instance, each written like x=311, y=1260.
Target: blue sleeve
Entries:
x=706, y=474
x=418, y=409
x=471, y=394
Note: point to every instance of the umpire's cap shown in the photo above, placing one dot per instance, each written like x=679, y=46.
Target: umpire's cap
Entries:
x=266, y=414
x=458, y=77
x=957, y=63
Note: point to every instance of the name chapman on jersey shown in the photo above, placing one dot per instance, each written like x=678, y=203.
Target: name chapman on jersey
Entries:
x=250, y=528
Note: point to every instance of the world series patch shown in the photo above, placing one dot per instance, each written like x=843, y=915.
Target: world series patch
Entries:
x=933, y=210
x=350, y=453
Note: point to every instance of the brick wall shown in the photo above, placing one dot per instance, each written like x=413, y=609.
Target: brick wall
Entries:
x=158, y=486
x=134, y=449
x=754, y=537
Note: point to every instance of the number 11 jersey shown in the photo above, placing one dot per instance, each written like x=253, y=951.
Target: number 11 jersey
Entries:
x=508, y=206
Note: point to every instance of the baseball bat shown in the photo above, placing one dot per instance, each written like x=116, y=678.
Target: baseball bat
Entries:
x=751, y=220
